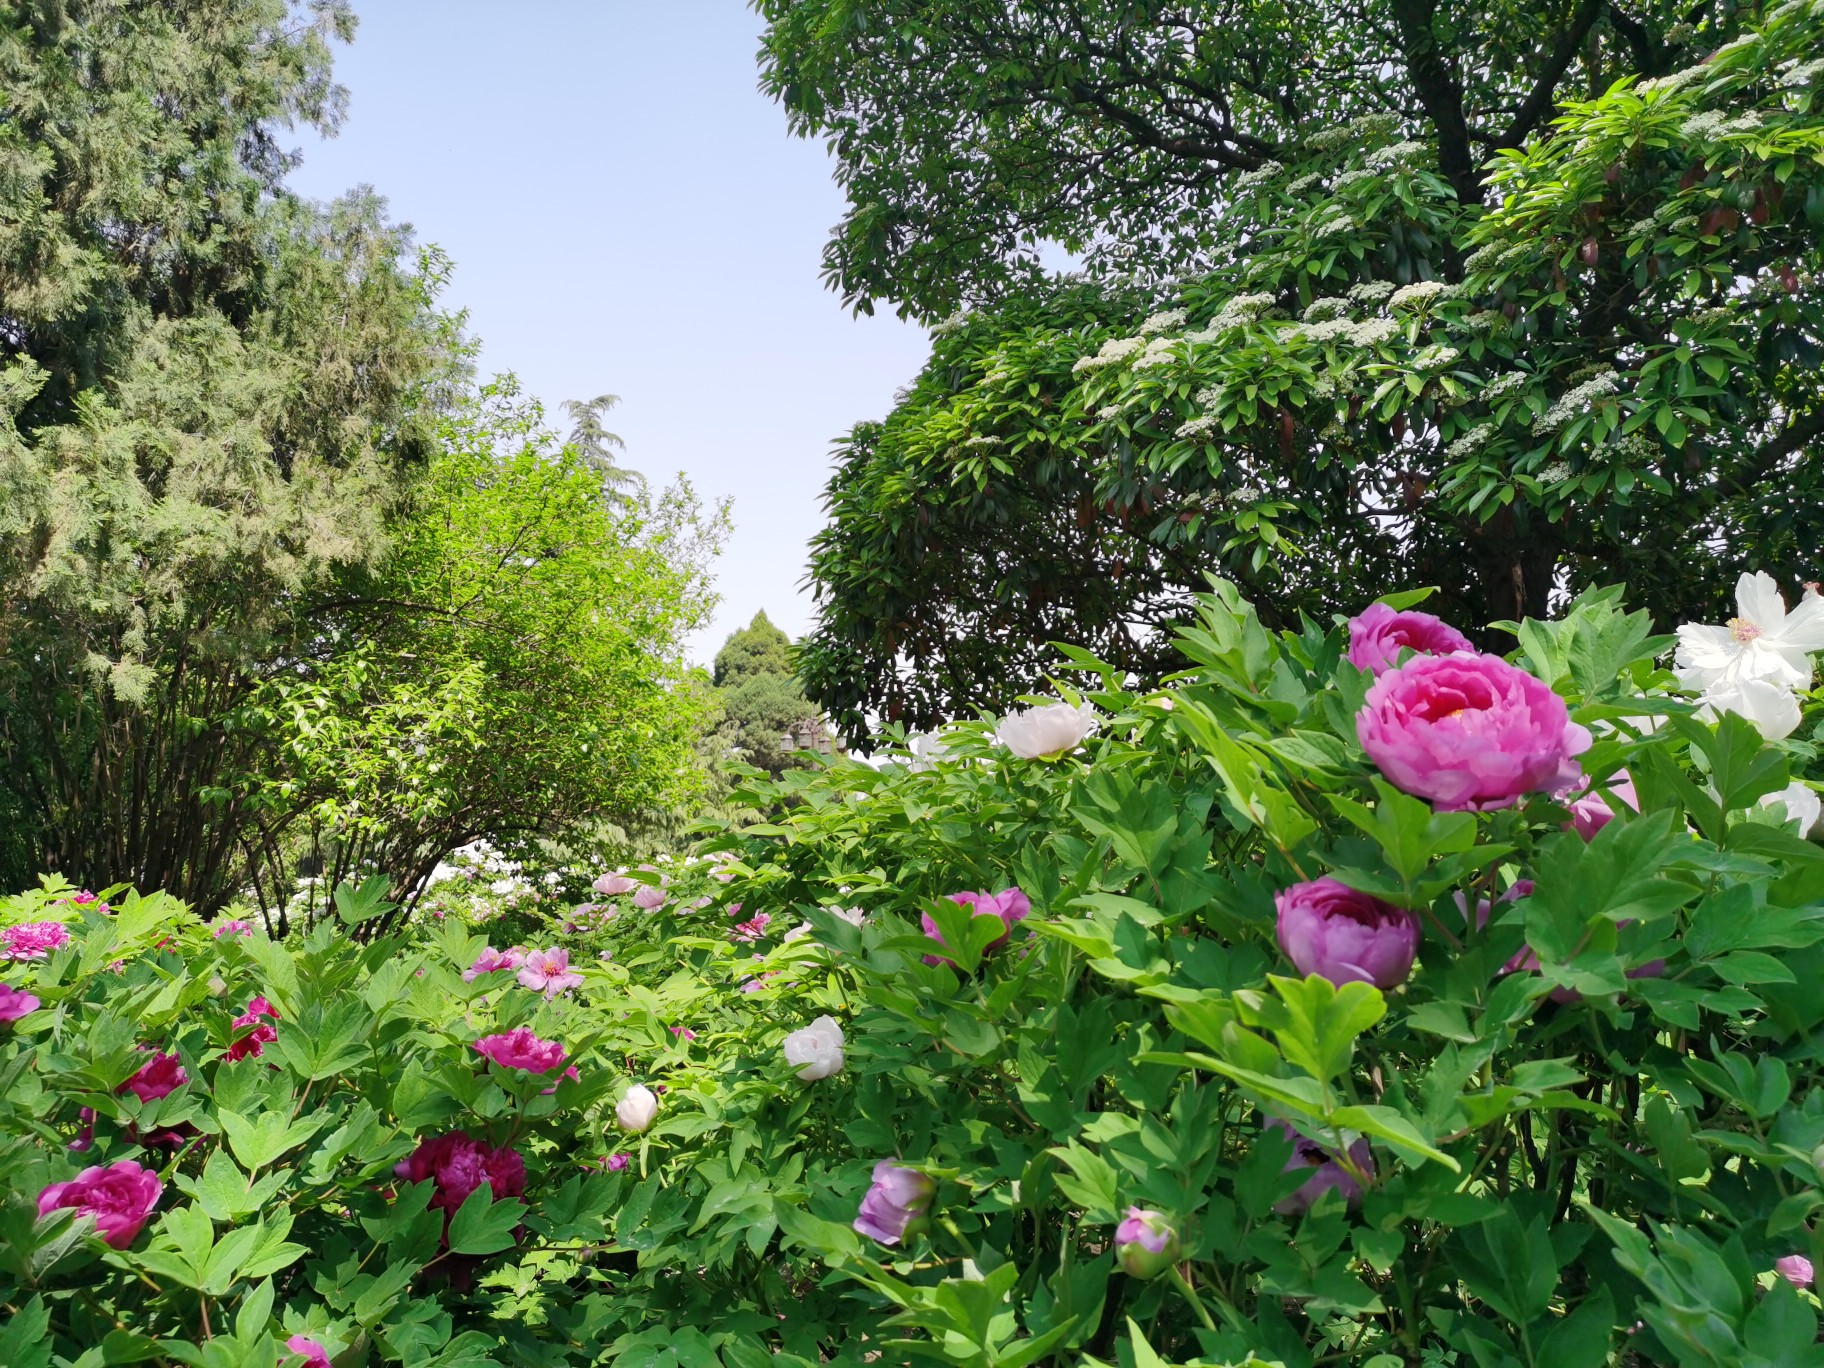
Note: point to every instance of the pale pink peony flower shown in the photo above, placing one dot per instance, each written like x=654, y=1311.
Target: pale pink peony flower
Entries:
x=33, y=940
x=119, y=1196
x=1331, y=930
x=649, y=899
x=1795, y=1268
x=1011, y=905
x=1591, y=812
x=492, y=961
x=752, y=929
x=519, y=1048
x=1379, y=634
x=815, y=1050
x=549, y=971
x=15, y=1003
x=614, y=885
x=1469, y=732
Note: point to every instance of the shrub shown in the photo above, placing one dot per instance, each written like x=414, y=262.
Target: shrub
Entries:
x=1568, y=1117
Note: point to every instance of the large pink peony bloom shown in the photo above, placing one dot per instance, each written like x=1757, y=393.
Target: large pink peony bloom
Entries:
x=255, y=1041
x=613, y=885
x=1469, y=732
x=33, y=940
x=1379, y=634
x=459, y=1164
x=158, y=1077
x=548, y=971
x=120, y=1196
x=1331, y=930
x=15, y=1003
x=520, y=1049
x=1011, y=905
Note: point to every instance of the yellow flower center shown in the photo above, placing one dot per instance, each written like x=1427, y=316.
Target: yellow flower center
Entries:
x=1743, y=630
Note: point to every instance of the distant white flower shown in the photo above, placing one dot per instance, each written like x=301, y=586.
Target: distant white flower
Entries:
x=927, y=749
x=1800, y=803
x=1773, y=708
x=815, y=1050
x=1763, y=642
x=637, y=1109
x=1046, y=732
x=797, y=933
x=854, y=916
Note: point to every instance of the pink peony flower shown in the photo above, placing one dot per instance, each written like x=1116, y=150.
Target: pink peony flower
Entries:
x=549, y=971
x=1591, y=812
x=313, y=1354
x=617, y=1162
x=1469, y=732
x=752, y=929
x=235, y=927
x=1329, y=929
x=15, y=1003
x=1011, y=905
x=159, y=1077
x=1330, y=1174
x=648, y=898
x=33, y=940
x=614, y=885
x=896, y=1199
x=255, y=1041
x=1795, y=1268
x=491, y=961
x=120, y=1196
x=1379, y=634
x=459, y=1164
x=520, y=1049
x=683, y=1033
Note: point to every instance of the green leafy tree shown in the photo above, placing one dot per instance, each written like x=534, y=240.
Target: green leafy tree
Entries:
x=762, y=700
x=1611, y=373
x=211, y=395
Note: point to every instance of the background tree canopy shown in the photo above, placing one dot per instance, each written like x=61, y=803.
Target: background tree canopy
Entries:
x=1366, y=370
x=761, y=696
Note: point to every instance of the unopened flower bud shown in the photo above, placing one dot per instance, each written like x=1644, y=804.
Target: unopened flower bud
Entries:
x=1145, y=1244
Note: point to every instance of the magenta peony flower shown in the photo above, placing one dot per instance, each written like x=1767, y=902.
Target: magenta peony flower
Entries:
x=86, y=1140
x=1011, y=905
x=1469, y=732
x=617, y=1162
x=491, y=961
x=1795, y=1268
x=1379, y=634
x=1591, y=812
x=1329, y=929
x=549, y=971
x=896, y=1200
x=520, y=1049
x=1330, y=1174
x=120, y=1196
x=15, y=1003
x=159, y=1077
x=255, y=1041
x=752, y=929
x=459, y=1164
x=33, y=940
x=312, y=1354
x=1145, y=1244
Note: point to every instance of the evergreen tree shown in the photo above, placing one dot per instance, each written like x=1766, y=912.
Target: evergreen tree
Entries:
x=597, y=445
x=761, y=696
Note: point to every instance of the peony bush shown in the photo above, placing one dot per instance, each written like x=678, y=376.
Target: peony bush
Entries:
x=1356, y=998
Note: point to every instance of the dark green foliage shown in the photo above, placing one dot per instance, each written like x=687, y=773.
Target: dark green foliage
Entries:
x=761, y=697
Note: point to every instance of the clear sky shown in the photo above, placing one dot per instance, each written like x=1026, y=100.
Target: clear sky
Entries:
x=627, y=213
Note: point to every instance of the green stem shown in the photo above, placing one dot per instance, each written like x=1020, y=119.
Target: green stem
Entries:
x=1190, y=1295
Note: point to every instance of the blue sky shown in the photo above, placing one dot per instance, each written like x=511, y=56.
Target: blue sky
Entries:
x=628, y=213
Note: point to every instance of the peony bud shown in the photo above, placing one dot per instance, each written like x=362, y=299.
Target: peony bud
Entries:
x=637, y=1108
x=1795, y=1268
x=896, y=1202
x=1145, y=1244
x=815, y=1050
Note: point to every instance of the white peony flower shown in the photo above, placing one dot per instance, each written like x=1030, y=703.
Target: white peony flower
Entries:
x=797, y=933
x=1046, y=732
x=1800, y=803
x=1764, y=642
x=638, y=1106
x=927, y=749
x=815, y=1050
x=1773, y=708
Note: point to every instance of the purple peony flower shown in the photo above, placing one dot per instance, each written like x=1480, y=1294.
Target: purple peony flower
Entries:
x=519, y=1048
x=15, y=1003
x=1329, y=1173
x=1469, y=732
x=1379, y=634
x=120, y=1196
x=159, y=1077
x=1329, y=929
x=1145, y=1243
x=33, y=940
x=1011, y=905
x=897, y=1199
x=617, y=1162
